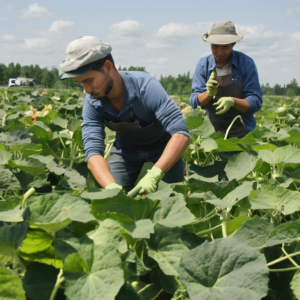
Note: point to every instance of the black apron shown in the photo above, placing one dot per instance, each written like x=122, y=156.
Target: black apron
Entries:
x=140, y=138
x=227, y=88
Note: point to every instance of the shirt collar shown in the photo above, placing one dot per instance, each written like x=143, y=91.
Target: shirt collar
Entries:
x=128, y=88
x=212, y=62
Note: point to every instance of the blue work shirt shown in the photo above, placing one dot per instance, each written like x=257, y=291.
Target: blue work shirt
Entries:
x=244, y=68
x=148, y=101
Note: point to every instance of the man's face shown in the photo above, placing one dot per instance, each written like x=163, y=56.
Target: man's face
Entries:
x=96, y=83
x=221, y=52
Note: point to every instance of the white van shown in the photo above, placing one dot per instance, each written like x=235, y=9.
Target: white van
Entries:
x=21, y=81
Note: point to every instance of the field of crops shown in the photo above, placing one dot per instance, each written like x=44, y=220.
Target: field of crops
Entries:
x=230, y=231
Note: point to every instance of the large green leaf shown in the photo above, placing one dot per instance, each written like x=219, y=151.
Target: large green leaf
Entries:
x=172, y=212
x=276, y=198
x=8, y=181
x=167, y=244
x=27, y=149
x=53, y=212
x=239, y=193
x=96, y=273
x=14, y=215
x=133, y=215
x=284, y=233
x=10, y=285
x=240, y=165
x=254, y=232
x=287, y=154
x=224, y=269
x=28, y=165
x=208, y=145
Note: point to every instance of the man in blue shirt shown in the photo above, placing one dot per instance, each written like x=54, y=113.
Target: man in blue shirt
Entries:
x=149, y=127
x=227, y=79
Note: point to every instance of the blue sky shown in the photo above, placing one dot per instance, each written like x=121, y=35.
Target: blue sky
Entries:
x=164, y=36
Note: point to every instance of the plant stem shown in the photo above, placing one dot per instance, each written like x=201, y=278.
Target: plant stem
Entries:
x=57, y=284
x=224, y=229
x=291, y=260
x=208, y=230
x=26, y=196
x=228, y=129
x=282, y=258
x=285, y=270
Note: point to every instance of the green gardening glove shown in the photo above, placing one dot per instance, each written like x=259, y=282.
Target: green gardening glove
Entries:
x=113, y=185
x=225, y=103
x=212, y=85
x=148, y=184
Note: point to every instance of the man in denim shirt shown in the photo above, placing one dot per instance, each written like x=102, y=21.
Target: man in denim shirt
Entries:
x=150, y=128
x=227, y=79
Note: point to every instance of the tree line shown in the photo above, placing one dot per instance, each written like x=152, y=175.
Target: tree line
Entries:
x=180, y=85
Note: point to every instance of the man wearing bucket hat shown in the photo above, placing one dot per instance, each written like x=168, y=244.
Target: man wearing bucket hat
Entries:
x=149, y=127
x=226, y=83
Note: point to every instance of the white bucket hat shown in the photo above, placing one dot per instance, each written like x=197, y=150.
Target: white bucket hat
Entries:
x=222, y=33
x=83, y=52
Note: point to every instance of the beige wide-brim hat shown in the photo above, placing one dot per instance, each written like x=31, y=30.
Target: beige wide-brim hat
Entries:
x=222, y=33
x=82, y=52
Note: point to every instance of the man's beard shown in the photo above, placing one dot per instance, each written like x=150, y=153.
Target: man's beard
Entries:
x=108, y=85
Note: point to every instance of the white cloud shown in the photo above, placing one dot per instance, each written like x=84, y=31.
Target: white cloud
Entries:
x=10, y=38
x=3, y=18
x=128, y=28
x=9, y=7
x=181, y=31
x=37, y=44
x=35, y=11
x=292, y=10
x=59, y=26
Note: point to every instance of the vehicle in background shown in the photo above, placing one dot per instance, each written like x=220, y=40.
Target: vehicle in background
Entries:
x=21, y=81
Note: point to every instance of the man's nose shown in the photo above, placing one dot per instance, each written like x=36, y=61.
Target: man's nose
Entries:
x=87, y=89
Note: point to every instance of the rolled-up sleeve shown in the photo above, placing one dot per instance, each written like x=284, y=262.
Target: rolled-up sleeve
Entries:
x=157, y=101
x=93, y=133
x=199, y=84
x=251, y=87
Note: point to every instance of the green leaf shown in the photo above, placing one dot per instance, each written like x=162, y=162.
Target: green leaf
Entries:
x=276, y=198
x=53, y=212
x=36, y=241
x=10, y=285
x=240, y=165
x=294, y=137
x=254, y=232
x=172, y=212
x=269, y=147
x=130, y=213
x=8, y=181
x=225, y=269
x=193, y=122
x=14, y=215
x=208, y=145
x=102, y=280
x=74, y=124
x=28, y=165
x=136, y=265
x=4, y=157
x=287, y=154
x=167, y=244
x=295, y=284
x=239, y=193
x=39, y=281
x=127, y=292
x=235, y=224
x=27, y=149
x=227, y=146
x=60, y=122
x=284, y=233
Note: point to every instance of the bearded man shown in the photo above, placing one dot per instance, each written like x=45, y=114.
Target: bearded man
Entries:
x=148, y=125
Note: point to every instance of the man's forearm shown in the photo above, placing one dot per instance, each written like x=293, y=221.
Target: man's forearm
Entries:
x=100, y=170
x=203, y=98
x=241, y=105
x=173, y=151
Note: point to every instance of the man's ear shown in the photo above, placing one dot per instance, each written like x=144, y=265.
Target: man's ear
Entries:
x=107, y=66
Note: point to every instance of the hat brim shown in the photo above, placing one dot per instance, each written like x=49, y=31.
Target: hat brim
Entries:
x=79, y=71
x=222, y=39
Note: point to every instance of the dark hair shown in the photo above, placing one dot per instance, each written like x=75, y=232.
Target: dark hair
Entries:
x=101, y=62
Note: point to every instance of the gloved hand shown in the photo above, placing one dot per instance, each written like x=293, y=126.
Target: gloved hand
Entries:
x=225, y=103
x=113, y=185
x=212, y=85
x=148, y=184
